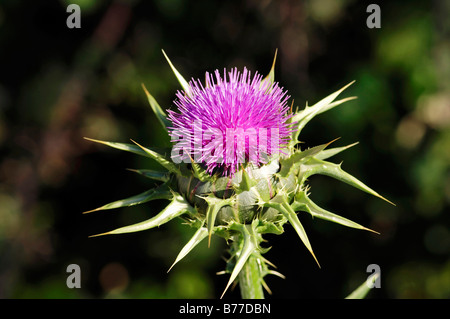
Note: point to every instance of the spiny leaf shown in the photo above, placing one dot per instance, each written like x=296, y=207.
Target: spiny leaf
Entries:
x=249, y=246
x=322, y=106
x=304, y=203
x=313, y=151
x=364, y=289
x=160, y=114
x=177, y=207
x=270, y=227
x=121, y=146
x=287, y=164
x=282, y=205
x=162, y=160
x=325, y=154
x=270, y=78
x=183, y=82
x=199, y=235
x=303, y=117
x=339, y=102
x=315, y=166
x=246, y=182
x=152, y=174
x=161, y=192
x=199, y=172
x=214, y=206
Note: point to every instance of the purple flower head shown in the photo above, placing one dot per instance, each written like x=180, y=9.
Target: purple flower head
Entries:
x=229, y=121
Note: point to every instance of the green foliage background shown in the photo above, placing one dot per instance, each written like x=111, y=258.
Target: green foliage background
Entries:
x=58, y=85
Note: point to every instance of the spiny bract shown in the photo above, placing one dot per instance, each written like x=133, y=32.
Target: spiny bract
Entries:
x=240, y=202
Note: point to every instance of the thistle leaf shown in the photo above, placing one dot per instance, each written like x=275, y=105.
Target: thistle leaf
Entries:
x=313, y=151
x=339, y=102
x=270, y=78
x=177, y=207
x=325, y=154
x=199, y=235
x=160, y=114
x=162, y=160
x=246, y=182
x=121, y=146
x=289, y=163
x=214, y=205
x=161, y=192
x=288, y=166
x=315, y=166
x=281, y=204
x=183, y=82
x=303, y=117
x=304, y=203
x=152, y=174
x=199, y=172
x=270, y=227
x=249, y=246
x=295, y=222
x=363, y=290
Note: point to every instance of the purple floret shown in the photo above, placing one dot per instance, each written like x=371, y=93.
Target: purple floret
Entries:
x=230, y=121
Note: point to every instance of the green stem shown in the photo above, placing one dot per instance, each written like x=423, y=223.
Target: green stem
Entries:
x=250, y=280
x=248, y=268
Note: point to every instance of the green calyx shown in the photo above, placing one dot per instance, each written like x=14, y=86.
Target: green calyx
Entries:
x=242, y=208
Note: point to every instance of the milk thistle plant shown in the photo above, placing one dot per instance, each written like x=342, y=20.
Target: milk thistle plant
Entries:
x=237, y=169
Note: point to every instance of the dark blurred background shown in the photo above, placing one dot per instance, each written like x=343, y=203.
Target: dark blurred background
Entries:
x=58, y=85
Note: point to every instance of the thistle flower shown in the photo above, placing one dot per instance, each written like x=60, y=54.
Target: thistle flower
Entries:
x=246, y=119
x=239, y=193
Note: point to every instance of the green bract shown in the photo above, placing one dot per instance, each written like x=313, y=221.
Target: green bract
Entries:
x=243, y=207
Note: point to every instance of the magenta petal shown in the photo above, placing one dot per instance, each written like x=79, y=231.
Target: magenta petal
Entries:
x=230, y=121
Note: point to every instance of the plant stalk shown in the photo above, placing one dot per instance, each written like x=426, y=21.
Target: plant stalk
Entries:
x=250, y=280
